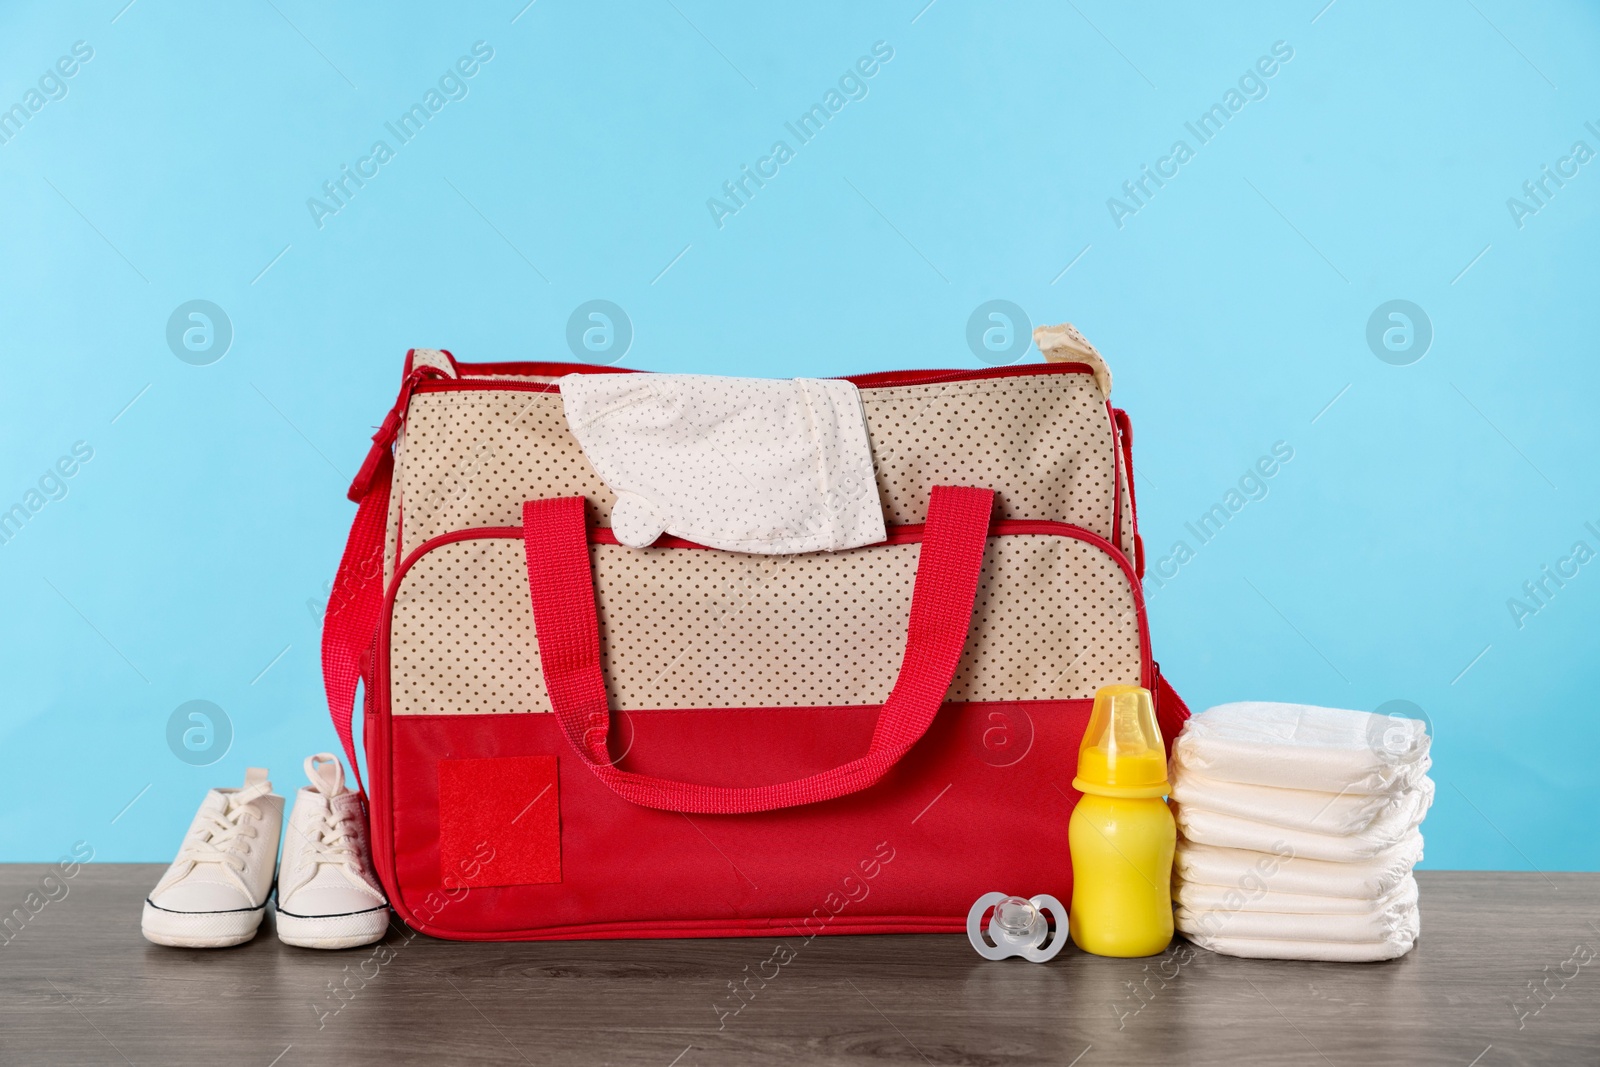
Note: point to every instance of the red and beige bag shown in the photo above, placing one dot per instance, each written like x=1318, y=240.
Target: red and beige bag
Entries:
x=570, y=738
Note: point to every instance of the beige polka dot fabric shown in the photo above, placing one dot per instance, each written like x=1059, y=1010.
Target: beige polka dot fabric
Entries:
x=1055, y=618
x=471, y=457
x=432, y=357
x=1043, y=443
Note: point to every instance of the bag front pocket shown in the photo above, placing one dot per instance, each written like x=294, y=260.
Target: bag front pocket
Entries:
x=1058, y=613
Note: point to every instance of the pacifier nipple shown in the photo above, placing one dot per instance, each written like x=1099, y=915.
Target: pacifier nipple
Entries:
x=1017, y=919
x=1019, y=927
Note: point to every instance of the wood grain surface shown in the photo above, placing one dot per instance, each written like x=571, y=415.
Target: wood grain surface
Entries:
x=79, y=985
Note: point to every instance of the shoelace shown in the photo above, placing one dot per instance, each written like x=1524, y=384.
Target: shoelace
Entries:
x=332, y=840
x=331, y=843
x=223, y=836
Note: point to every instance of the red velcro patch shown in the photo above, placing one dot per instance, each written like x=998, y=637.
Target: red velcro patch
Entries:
x=499, y=821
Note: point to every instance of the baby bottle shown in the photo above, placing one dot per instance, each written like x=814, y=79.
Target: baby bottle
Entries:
x=1122, y=833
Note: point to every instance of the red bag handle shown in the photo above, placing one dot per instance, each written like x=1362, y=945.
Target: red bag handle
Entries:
x=561, y=584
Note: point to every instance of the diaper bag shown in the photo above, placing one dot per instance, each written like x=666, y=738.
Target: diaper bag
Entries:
x=569, y=738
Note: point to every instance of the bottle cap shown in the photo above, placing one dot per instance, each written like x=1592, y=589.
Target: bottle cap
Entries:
x=1122, y=754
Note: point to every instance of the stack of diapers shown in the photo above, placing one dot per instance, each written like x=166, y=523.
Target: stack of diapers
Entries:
x=1299, y=829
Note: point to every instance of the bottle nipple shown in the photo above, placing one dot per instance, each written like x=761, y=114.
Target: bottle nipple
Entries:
x=1122, y=753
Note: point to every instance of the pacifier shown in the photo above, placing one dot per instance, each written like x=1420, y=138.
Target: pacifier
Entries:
x=1018, y=928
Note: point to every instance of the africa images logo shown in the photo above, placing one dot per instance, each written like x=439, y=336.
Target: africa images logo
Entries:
x=851, y=85
x=452, y=85
x=1251, y=86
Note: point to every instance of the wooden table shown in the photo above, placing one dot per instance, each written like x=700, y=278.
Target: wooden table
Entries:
x=79, y=985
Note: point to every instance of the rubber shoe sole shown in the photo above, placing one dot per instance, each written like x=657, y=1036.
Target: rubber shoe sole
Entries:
x=333, y=931
x=200, y=929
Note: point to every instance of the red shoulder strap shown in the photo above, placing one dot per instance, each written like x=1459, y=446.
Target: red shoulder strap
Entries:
x=355, y=604
x=350, y=622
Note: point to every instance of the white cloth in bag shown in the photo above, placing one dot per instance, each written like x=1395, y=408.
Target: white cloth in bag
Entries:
x=741, y=464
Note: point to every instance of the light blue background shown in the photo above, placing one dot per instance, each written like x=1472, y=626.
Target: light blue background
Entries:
x=1232, y=307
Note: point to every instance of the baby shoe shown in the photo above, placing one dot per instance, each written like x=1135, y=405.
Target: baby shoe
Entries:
x=215, y=892
x=327, y=894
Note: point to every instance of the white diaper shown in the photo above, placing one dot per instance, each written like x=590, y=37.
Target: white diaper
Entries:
x=1198, y=897
x=1382, y=834
x=1252, y=871
x=1392, y=916
x=1297, y=809
x=1298, y=746
x=1258, y=948
x=741, y=464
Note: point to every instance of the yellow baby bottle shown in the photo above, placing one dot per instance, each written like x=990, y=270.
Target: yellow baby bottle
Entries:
x=1122, y=833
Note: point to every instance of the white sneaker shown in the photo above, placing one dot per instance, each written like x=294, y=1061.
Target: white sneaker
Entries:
x=215, y=892
x=327, y=894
